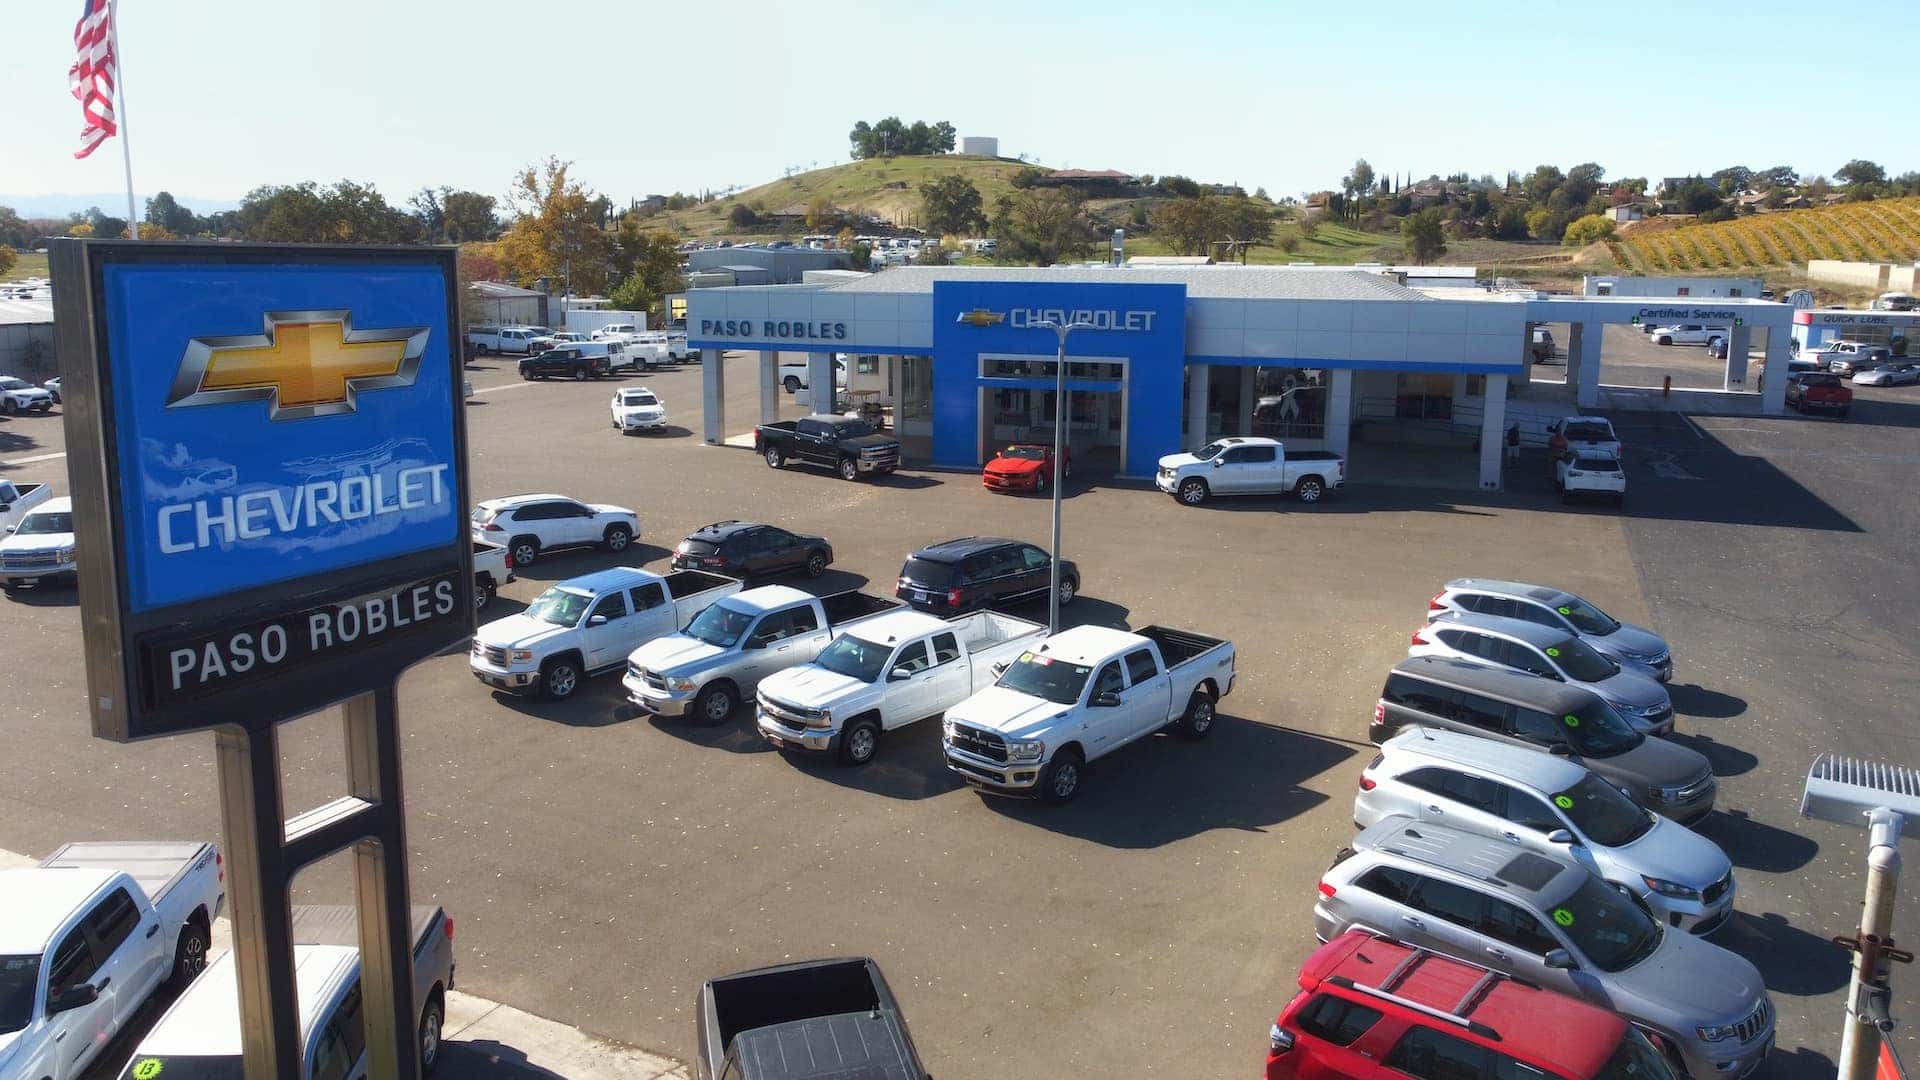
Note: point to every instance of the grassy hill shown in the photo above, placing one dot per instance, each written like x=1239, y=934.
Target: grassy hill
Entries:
x=889, y=187
x=28, y=265
x=1879, y=230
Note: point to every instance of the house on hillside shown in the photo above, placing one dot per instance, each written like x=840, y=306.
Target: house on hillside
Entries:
x=1426, y=193
x=1626, y=212
x=506, y=305
x=1089, y=181
x=1224, y=189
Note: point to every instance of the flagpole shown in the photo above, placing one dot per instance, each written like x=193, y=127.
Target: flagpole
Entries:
x=120, y=112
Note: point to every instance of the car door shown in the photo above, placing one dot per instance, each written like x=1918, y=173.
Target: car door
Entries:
x=1006, y=576
x=77, y=1034
x=1263, y=470
x=1149, y=693
x=813, y=442
x=606, y=633
x=578, y=523
x=1106, y=724
x=782, y=550
x=779, y=636
x=952, y=673
x=1427, y=1054
x=1451, y=797
x=1036, y=570
x=912, y=698
x=125, y=938
x=653, y=615
x=1524, y=657
x=1233, y=474
x=1519, y=942
x=340, y=1044
x=1454, y=916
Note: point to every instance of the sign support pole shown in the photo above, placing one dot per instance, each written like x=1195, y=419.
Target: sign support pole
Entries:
x=257, y=877
x=380, y=886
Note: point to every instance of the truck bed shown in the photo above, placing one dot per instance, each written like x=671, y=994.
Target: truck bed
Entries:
x=1179, y=646
x=329, y=924
x=815, y=1019
x=157, y=865
x=1312, y=455
x=844, y=607
x=685, y=583
x=982, y=630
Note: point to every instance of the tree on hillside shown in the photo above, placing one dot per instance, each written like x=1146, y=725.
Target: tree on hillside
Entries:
x=556, y=231
x=16, y=231
x=1180, y=187
x=105, y=225
x=1860, y=173
x=891, y=138
x=469, y=216
x=345, y=213
x=1041, y=226
x=1588, y=229
x=1542, y=182
x=741, y=216
x=1583, y=180
x=1359, y=179
x=1732, y=178
x=1184, y=225
x=1778, y=176
x=1423, y=237
x=8, y=257
x=1697, y=196
x=165, y=212
x=646, y=262
x=80, y=229
x=1237, y=217
x=951, y=204
x=1193, y=226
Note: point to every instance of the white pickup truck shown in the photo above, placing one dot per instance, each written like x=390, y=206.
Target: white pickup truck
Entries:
x=492, y=568
x=1250, y=465
x=586, y=625
x=17, y=499
x=85, y=939
x=885, y=673
x=1080, y=695
x=507, y=339
x=706, y=670
x=1689, y=334
x=198, y=1038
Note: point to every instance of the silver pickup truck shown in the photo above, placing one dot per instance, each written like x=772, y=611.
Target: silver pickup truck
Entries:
x=706, y=670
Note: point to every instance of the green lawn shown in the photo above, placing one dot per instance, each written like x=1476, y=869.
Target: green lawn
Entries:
x=28, y=265
x=1332, y=245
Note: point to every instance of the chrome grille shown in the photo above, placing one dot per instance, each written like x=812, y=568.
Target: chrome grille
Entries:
x=1757, y=1021
x=495, y=655
x=1712, y=893
x=25, y=560
x=973, y=740
x=1698, y=787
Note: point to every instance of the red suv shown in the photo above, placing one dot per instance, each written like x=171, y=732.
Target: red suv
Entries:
x=1371, y=1007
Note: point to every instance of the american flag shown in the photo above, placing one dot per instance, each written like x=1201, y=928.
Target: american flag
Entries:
x=92, y=75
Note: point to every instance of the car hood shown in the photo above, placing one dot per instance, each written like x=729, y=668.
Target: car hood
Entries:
x=666, y=654
x=1015, y=466
x=1655, y=762
x=1178, y=461
x=31, y=392
x=1632, y=688
x=1686, y=983
x=1008, y=712
x=609, y=508
x=811, y=686
x=36, y=542
x=516, y=632
x=1637, y=640
x=874, y=440
x=1672, y=851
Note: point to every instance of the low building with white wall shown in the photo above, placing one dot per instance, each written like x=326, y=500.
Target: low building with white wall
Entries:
x=980, y=145
x=1692, y=287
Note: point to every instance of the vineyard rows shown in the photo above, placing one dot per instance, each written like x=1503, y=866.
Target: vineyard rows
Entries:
x=1887, y=229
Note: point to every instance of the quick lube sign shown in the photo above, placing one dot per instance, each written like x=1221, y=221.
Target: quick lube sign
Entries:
x=280, y=514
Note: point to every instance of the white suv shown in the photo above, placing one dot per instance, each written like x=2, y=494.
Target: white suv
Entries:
x=531, y=524
x=1689, y=334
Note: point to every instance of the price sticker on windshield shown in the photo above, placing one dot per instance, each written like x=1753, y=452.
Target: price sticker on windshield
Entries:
x=147, y=1069
x=1570, y=720
x=1564, y=802
x=1563, y=916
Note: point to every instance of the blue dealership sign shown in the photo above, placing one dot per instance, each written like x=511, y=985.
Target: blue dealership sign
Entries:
x=269, y=473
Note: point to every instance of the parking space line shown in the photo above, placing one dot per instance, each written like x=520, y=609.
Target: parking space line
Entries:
x=1693, y=427
x=31, y=460
x=478, y=390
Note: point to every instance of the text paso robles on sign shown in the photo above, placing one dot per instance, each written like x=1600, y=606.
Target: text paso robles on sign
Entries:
x=271, y=513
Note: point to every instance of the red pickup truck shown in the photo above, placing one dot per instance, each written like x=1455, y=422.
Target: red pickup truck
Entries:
x=1810, y=390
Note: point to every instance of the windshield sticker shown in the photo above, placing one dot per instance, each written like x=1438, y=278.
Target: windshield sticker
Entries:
x=1551, y=651
x=1570, y=720
x=1566, y=611
x=1025, y=656
x=1564, y=802
x=1563, y=916
x=148, y=1069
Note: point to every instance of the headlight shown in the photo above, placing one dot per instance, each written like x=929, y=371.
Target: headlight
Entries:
x=1667, y=794
x=683, y=684
x=1026, y=751
x=947, y=728
x=820, y=718
x=521, y=656
x=64, y=554
x=1670, y=888
x=1717, y=1032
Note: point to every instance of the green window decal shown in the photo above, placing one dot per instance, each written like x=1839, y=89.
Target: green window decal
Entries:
x=1563, y=916
x=1551, y=651
x=1566, y=611
x=1570, y=720
x=1564, y=802
x=148, y=1069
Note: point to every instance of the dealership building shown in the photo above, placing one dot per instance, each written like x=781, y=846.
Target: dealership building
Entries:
x=1174, y=356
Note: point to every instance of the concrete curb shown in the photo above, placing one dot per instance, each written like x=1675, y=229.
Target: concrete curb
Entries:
x=486, y=1038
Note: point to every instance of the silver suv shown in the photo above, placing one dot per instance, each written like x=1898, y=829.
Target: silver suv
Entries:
x=1550, y=922
x=1550, y=654
x=1560, y=610
x=1548, y=804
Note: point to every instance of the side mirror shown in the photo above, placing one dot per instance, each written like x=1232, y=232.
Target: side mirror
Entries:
x=1216, y=463
x=1107, y=700
x=998, y=667
x=1559, y=749
x=596, y=620
x=1559, y=836
x=71, y=998
x=899, y=674
x=1560, y=960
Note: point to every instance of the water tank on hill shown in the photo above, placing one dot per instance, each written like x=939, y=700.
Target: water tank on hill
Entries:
x=981, y=145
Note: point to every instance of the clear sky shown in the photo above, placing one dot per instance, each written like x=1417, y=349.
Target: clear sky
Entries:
x=654, y=97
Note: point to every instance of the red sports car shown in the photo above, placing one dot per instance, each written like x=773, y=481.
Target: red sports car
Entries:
x=1024, y=467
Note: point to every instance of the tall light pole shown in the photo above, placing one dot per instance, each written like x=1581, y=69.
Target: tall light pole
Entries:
x=1061, y=330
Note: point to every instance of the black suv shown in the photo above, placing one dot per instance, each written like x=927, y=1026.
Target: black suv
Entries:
x=978, y=572
x=748, y=549
x=565, y=361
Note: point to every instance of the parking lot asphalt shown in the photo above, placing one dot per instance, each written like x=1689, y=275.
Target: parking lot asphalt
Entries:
x=1630, y=358
x=602, y=864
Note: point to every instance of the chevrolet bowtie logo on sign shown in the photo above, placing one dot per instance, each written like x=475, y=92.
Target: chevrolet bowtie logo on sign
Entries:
x=308, y=363
x=983, y=317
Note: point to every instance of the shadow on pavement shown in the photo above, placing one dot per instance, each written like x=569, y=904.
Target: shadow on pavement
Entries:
x=1165, y=788
x=488, y=1059
x=564, y=563
x=910, y=765
x=1725, y=760
x=738, y=735
x=600, y=702
x=1753, y=845
x=1800, y=1063
x=1791, y=960
x=1696, y=700
x=54, y=594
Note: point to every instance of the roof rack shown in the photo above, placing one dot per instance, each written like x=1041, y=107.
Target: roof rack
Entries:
x=1416, y=955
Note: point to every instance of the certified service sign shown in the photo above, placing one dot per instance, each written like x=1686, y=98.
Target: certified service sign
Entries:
x=268, y=458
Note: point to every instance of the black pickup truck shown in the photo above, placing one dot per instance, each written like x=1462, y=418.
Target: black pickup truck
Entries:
x=818, y=1019
x=847, y=445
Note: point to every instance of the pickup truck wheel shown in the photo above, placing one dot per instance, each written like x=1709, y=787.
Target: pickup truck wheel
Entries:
x=1193, y=491
x=1663, y=340
x=559, y=678
x=713, y=706
x=792, y=384
x=775, y=458
x=525, y=549
x=849, y=469
x=859, y=742
x=1197, y=721
x=431, y=1021
x=1061, y=780
x=190, y=953
x=483, y=590
x=618, y=537
x=816, y=563
x=1309, y=489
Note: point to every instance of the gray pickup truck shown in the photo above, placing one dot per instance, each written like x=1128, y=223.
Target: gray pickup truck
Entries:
x=708, y=669
x=850, y=447
x=820, y=1018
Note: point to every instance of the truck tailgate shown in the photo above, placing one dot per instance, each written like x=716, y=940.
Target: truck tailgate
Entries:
x=158, y=865
x=329, y=924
